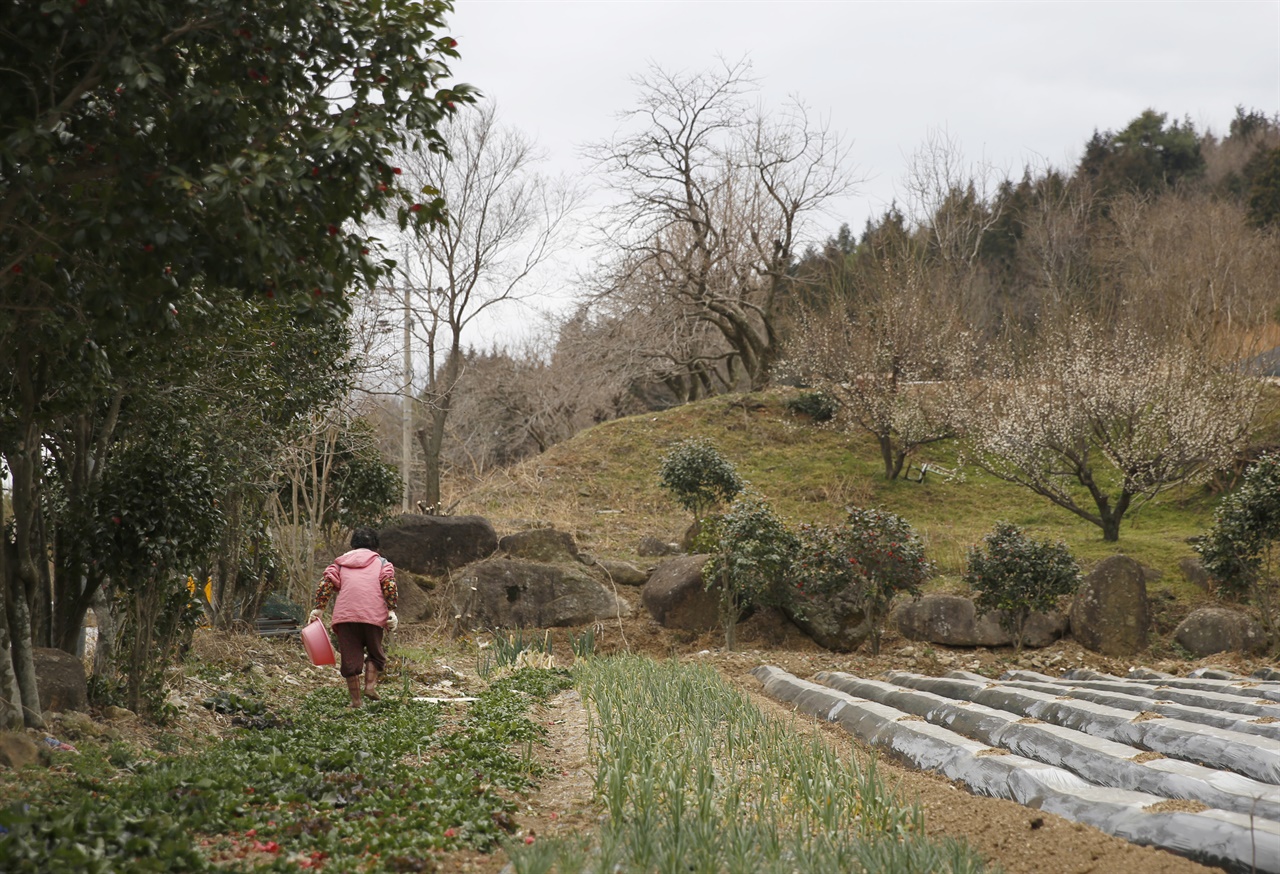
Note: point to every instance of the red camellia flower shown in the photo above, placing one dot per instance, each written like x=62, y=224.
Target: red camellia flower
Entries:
x=417, y=207
x=453, y=43
x=449, y=832
x=333, y=229
x=315, y=171
x=16, y=268
x=395, y=170
x=116, y=519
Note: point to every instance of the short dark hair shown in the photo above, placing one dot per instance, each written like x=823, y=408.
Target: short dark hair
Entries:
x=364, y=538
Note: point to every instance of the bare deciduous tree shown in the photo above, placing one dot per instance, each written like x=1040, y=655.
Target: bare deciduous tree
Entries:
x=897, y=366
x=1099, y=422
x=714, y=201
x=505, y=220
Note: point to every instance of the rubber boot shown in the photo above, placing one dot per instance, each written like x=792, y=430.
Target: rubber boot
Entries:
x=353, y=686
x=370, y=682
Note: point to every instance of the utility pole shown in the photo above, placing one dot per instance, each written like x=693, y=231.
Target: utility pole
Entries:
x=406, y=395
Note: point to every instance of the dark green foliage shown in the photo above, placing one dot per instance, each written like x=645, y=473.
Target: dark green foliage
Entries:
x=698, y=477
x=215, y=146
x=752, y=551
x=818, y=406
x=158, y=518
x=873, y=556
x=1019, y=575
x=1264, y=189
x=326, y=783
x=1148, y=156
x=1242, y=549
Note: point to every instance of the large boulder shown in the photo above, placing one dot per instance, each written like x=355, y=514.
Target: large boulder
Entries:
x=1217, y=629
x=514, y=593
x=651, y=547
x=622, y=573
x=17, y=751
x=1110, y=614
x=540, y=544
x=61, y=680
x=676, y=598
x=435, y=545
x=950, y=620
x=953, y=620
x=833, y=621
x=1194, y=572
x=414, y=602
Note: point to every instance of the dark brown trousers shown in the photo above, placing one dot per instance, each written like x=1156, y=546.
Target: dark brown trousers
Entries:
x=355, y=639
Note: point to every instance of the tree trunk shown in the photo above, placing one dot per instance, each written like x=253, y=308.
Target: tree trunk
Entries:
x=23, y=654
x=10, y=692
x=886, y=455
x=105, y=648
x=23, y=466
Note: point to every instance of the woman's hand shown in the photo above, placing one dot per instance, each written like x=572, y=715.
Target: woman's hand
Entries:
x=315, y=616
x=392, y=621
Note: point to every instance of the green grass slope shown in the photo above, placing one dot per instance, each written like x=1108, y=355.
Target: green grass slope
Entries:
x=603, y=487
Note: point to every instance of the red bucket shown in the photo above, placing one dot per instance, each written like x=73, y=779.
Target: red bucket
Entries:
x=315, y=640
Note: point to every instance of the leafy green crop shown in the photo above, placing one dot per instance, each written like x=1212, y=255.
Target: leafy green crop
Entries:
x=326, y=785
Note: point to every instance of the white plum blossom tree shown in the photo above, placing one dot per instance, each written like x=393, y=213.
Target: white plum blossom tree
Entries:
x=1100, y=422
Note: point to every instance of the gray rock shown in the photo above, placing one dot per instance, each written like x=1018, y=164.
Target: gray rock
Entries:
x=514, y=593
x=1209, y=630
x=834, y=621
x=414, y=603
x=650, y=547
x=61, y=680
x=540, y=544
x=622, y=572
x=435, y=545
x=675, y=597
x=953, y=620
x=1110, y=614
x=17, y=751
x=1193, y=570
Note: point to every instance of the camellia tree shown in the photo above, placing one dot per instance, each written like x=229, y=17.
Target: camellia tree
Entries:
x=154, y=151
x=699, y=477
x=1242, y=549
x=751, y=554
x=871, y=558
x=1018, y=574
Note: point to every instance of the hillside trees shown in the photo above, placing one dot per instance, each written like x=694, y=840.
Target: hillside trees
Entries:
x=715, y=200
x=153, y=153
x=505, y=220
x=1148, y=156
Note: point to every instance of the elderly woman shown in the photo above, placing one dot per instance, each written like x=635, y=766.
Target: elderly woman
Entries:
x=366, y=604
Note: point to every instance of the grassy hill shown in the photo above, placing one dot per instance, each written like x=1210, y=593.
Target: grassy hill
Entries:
x=603, y=486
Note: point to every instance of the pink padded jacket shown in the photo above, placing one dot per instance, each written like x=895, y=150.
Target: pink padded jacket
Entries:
x=358, y=576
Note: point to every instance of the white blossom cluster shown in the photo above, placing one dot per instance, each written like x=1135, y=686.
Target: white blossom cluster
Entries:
x=1117, y=415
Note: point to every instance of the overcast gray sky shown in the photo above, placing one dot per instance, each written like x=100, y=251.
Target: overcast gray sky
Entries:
x=1012, y=82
